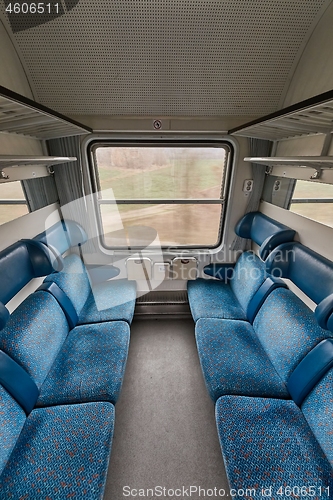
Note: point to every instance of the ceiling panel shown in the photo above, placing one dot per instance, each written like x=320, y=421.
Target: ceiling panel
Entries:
x=165, y=57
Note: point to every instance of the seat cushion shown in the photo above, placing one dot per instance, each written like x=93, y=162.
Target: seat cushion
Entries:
x=62, y=452
x=268, y=443
x=110, y=301
x=34, y=334
x=90, y=366
x=216, y=299
x=234, y=362
x=213, y=299
x=318, y=409
x=12, y=419
x=287, y=330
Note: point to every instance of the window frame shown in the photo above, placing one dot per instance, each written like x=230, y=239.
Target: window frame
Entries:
x=163, y=142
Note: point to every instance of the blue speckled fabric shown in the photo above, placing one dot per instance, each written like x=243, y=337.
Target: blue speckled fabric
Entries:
x=213, y=299
x=62, y=452
x=12, y=419
x=110, y=301
x=318, y=411
x=34, y=334
x=217, y=299
x=90, y=366
x=73, y=281
x=287, y=329
x=249, y=275
x=268, y=442
x=234, y=362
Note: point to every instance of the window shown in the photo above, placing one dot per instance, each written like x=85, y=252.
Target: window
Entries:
x=12, y=201
x=179, y=191
x=313, y=200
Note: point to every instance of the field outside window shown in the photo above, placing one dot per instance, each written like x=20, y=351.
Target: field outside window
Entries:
x=12, y=201
x=313, y=200
x=177, y=191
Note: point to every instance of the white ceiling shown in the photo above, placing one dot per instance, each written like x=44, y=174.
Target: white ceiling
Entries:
x=167, y=57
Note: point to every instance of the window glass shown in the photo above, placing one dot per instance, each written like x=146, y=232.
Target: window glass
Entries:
x=168, y=179
x=12, y=201
x=313, y=200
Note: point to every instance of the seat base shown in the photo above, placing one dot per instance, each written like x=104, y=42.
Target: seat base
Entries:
x=110, y=301
x=89, y=367
x=267, y=443
x=62, y=452
x=213, y=299
x=234, y=362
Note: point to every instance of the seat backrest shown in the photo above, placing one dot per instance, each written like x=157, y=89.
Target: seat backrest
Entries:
x=288, y=330
x=249, y=274
x=63, y=235
x=73, y=280
x=19, y=264
x=311, y=272
x=34, y=334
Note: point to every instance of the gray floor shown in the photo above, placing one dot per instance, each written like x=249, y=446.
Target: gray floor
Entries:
x=165, y=431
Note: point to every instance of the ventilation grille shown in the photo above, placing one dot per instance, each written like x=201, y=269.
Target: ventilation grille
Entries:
x=172, y=297
x=166, y=57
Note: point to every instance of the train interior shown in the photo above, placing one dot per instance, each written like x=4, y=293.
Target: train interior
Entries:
x=166, y=257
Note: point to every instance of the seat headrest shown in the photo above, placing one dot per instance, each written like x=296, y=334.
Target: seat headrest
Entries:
x=324, y=313
x=63, y=235
x=311, y=272
x=4, y=316
x=19, y=264
x=266, y=232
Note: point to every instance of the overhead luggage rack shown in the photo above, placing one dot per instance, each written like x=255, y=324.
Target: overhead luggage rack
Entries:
x=298, y=161
x=312, y=116
x=33, y=166
x=21, y=115
x=45, y=161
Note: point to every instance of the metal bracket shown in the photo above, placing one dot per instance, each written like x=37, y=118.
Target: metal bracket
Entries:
x=50, y=169
x=3, y=175
x=317, y=173
x=269, y=170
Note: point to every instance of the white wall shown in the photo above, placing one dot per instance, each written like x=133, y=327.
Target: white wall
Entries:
x=314, y=72
x=313, y=75
x=14, y=77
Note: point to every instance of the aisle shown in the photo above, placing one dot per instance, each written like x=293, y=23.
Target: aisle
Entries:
x=165, y=429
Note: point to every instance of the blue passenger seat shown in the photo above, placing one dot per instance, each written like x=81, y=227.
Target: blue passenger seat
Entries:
x=87, y=361
x=269, y=442
x=258, y=360
x=272, y=443
x=240, y=290
x=58, y=452
x=112, y=300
